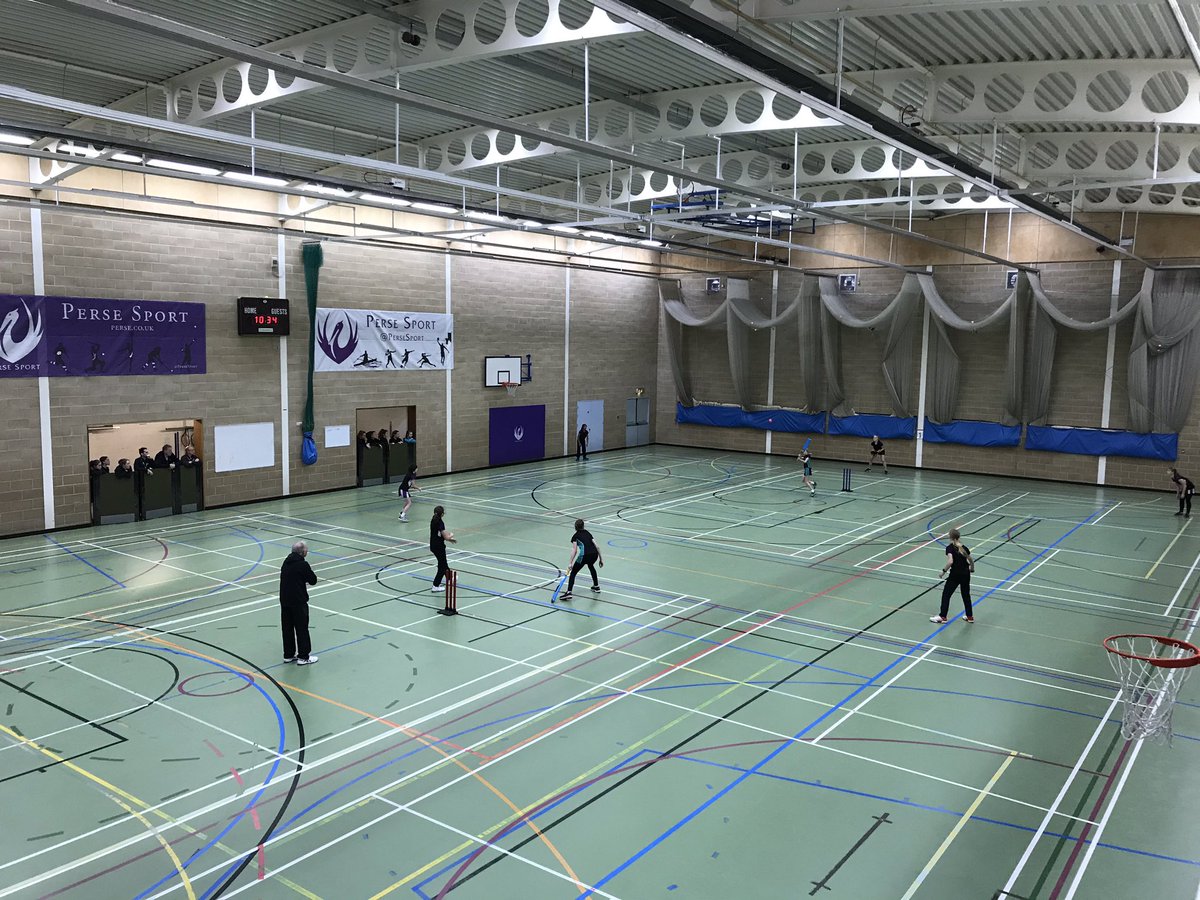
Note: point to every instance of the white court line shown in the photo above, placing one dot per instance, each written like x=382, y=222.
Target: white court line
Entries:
x=879, y=689
x=1041, y=562
x=982, y=510
x=1174, y=541
x=958, y=826
x=326, y=760
x=857, y=535
x=601, y=705
x=1105, y=513
x=1182, y=585
x=1051, y=811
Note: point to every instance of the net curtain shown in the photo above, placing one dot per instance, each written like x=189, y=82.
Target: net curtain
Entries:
x=1163, y=358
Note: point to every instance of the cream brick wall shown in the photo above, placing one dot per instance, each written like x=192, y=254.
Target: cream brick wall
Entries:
x=499, y=307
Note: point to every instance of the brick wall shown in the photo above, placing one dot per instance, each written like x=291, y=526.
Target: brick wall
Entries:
x=500, y=307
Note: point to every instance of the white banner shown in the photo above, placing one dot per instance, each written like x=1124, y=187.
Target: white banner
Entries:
x=370, y=340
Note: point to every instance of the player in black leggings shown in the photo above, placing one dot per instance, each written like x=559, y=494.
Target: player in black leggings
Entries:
x=960, y=565
x=1184, y=489
x=584, y=552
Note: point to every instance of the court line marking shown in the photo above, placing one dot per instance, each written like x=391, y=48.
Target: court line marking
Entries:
x=1182, y=585
x=1049, y=556
x=333, y=757
x=879, y=689
x=983, y=509
x=1174, y=541
x=958, y=826
x=115, y=794
x=498, y=759
x=1051, y=811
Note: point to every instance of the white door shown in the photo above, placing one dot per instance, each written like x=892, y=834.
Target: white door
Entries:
x=590, y=413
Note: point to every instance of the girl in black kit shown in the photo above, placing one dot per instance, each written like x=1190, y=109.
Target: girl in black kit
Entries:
x=438, y=535
x=407, y=486
x=1184, y=488
x=584, y=552
x=961, y=565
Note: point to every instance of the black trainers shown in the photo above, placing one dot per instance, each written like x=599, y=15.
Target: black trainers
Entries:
x=1180, y=513
x=566, y=596
x=596, y=588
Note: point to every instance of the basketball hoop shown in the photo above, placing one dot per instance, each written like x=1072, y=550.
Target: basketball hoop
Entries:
x=1151, y=670
x=511, y=387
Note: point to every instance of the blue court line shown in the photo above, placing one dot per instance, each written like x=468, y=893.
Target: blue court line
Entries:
x=825, y=715
x=252, y=800
x=67, y=549
x=935, y=809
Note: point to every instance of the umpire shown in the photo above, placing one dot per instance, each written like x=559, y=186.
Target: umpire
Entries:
x=295, y=575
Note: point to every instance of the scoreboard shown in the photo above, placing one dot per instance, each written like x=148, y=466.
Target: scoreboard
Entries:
x=263, y=315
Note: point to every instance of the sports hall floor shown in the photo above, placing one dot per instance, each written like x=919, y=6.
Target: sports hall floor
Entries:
x=755, y=706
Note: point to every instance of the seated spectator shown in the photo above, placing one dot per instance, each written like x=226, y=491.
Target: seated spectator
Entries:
x=189, y=458
x=372, y=440
x=396, y=439
x=94, y=467
x=165, y=458
x=104, y=465
x=124, y=469
x=144, y=462
x=362, y=439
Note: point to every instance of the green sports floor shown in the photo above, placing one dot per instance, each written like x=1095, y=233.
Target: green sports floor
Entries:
x=756, y=704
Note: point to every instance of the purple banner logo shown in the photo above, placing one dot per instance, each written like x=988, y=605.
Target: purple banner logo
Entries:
x=330, y=339
x=83, y=337
x=516, y=434
x=13, y=348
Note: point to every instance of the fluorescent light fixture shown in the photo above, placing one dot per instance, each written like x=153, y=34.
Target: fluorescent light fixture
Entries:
x=570, y=229
x=78, y=150
x=490, y=217
x=439, y=208
x=650, y=243
x=384, y=198
x=326, y=189
x=529, y=223
x=597, y=234
x=780, y=214
x=259, y=180
x=128, y=158
x=182, y=167
x=16, y=140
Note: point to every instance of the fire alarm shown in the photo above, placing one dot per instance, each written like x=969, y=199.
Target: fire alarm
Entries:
x=713, y=285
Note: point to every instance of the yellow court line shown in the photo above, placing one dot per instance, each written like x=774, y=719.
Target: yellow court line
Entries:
x=958, y=826
x=432, y=745
x=1186, y=523
x=112, y=790
x=583, y=776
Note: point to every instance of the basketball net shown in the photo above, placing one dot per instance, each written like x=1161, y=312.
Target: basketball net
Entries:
x=1151, y=671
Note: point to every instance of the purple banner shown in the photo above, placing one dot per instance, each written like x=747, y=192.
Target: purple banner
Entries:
x=84, y=337
x=516, y=434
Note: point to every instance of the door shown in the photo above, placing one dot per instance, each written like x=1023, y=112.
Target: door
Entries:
x=590, y=413
x=637, y=421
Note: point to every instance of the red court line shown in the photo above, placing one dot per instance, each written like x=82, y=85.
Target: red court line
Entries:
x=775, y=617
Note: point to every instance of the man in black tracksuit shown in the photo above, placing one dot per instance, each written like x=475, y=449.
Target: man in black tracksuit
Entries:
x=295, y=575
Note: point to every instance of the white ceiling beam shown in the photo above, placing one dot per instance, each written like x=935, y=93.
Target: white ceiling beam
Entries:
x=776, y=11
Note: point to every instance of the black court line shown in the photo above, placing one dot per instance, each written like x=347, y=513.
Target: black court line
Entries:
x=713, y=723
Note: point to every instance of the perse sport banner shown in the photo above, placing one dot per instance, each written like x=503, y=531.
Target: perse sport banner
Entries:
x=85, y=337
x=370, y=340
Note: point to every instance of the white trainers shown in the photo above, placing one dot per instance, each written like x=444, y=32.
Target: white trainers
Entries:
x=312, y=658
x=402, y=517
x=438, y=589
x=938, y=620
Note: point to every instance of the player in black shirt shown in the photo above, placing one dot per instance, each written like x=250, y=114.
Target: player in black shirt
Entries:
x=584, y=552
x=1184, y=489
x=961, y=565
x=407, y=486
x=438, y=535
x=809, y=482
x=877, y=450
